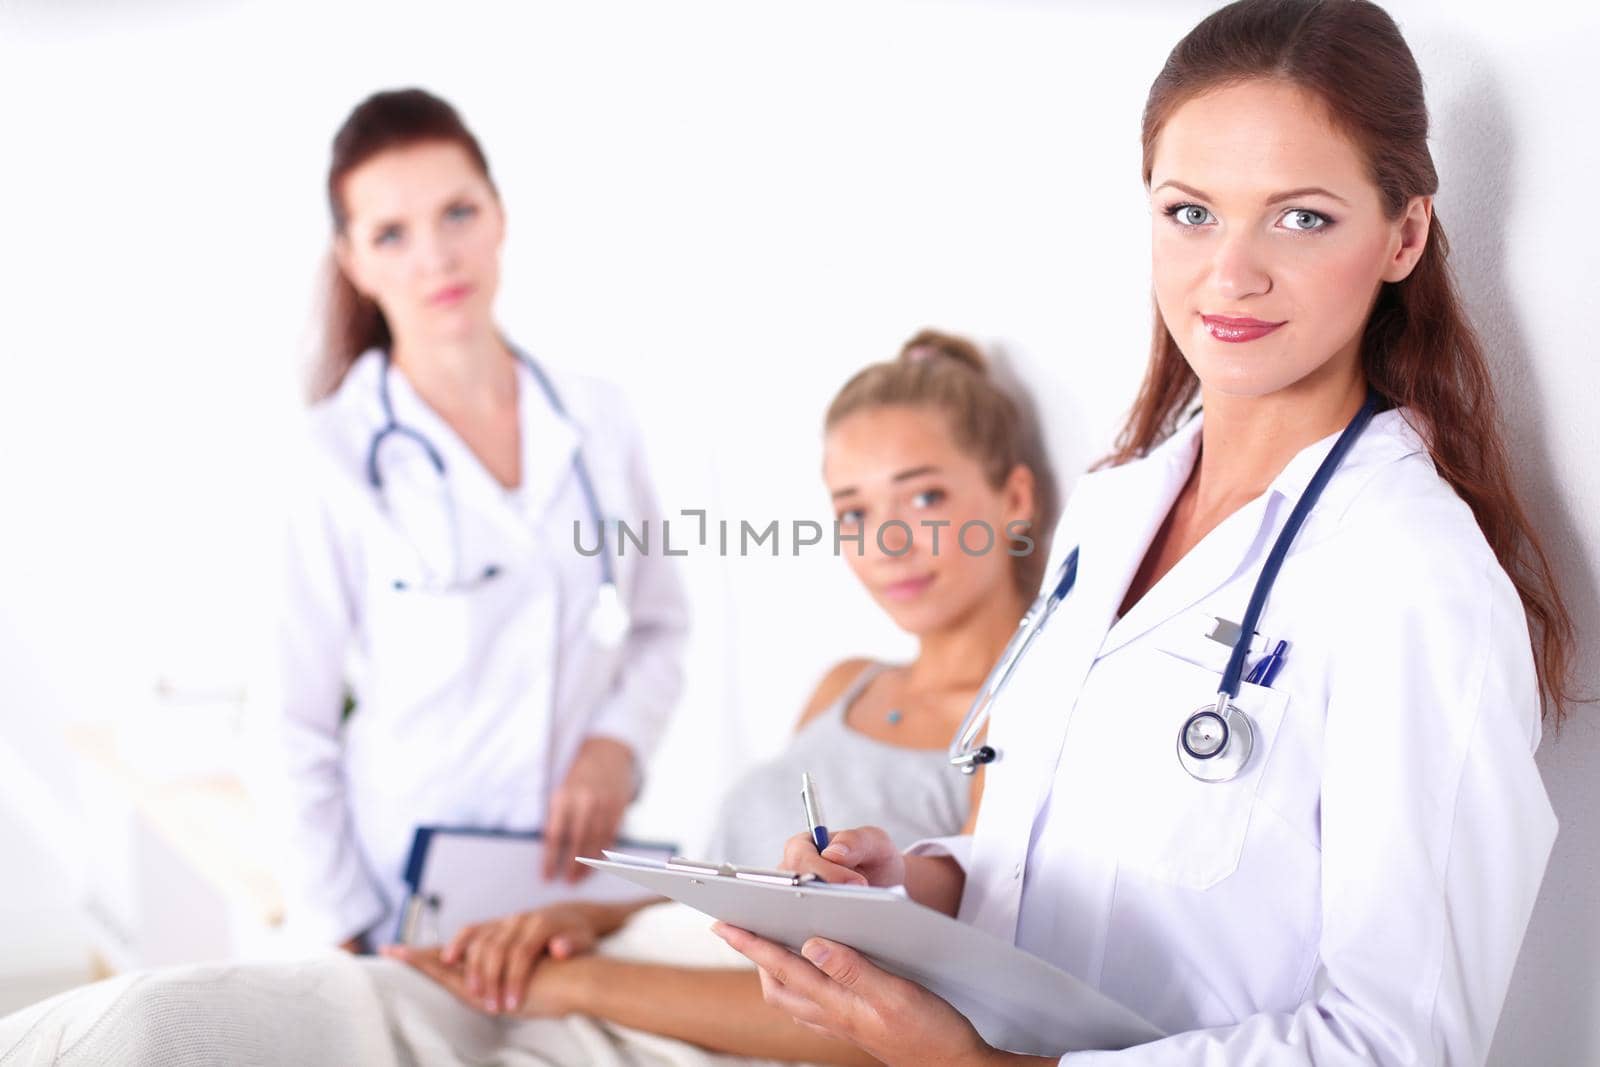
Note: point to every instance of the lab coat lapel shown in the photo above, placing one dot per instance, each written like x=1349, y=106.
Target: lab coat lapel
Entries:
x=1218, y=559
x=1239, y=545
x=1137, y=504
x=549, y=442
x=1123, y=509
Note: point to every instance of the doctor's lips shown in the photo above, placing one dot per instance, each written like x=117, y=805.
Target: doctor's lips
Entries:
x=908, y=588
x=1235, y=330
x=450, y=296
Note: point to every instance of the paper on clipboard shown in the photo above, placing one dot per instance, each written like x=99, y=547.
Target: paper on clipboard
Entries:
x=1018, y=1002
x=462, y=876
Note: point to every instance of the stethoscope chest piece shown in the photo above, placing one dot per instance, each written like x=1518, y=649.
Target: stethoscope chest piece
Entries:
x=1215, y=742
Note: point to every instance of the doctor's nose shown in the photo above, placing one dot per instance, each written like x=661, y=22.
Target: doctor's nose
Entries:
x=1238, y=268
x=894, y=538
x=436, y=254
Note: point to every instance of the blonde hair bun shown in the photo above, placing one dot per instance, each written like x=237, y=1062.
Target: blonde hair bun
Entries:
x=932, y=344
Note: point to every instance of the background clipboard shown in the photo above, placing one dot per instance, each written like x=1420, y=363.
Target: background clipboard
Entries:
x=1017, y=1001
x=456, y=876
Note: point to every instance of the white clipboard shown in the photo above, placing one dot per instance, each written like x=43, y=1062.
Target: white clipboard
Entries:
x=457, y=876
x=1018, y=1002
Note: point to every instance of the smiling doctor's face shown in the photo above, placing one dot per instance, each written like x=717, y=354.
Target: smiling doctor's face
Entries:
x=422, y=239
x=1270, y=241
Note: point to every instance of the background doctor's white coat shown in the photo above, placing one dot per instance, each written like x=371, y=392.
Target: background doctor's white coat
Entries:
x=725, y=206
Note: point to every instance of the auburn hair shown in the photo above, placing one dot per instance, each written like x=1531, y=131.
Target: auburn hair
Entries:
x=396, y=118
x=1418, y=350
x=950, y=375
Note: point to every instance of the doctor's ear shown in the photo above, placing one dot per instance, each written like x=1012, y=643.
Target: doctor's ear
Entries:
x=1020, y=501
x=1414, y=224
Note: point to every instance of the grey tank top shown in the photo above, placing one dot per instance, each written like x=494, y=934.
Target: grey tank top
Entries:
x=910, y=792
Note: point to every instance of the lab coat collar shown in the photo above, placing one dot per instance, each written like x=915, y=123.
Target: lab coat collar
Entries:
x=1388, y=437
x=1131, y=503
x=1239, y=544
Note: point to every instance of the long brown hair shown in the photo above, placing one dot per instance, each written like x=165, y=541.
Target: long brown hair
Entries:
x=396, y=118
x=1418, y=350
x=949, y=374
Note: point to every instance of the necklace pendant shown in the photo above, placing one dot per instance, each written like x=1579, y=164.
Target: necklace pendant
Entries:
x=894, y=716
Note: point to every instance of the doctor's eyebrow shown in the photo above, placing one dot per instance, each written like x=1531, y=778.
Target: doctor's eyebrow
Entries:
x=462, y=196
x=1287, y=194
x=905, y=475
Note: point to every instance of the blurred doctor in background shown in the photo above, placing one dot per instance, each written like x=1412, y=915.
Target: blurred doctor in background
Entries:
x=446, y=652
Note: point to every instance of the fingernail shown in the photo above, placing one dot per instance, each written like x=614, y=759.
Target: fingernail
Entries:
x=488, y=1006
x=816, y=952
x=513, y=1003
x=836, y=849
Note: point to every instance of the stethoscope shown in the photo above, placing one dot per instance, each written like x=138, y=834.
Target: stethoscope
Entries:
x=1215, y=741
x=608, y=620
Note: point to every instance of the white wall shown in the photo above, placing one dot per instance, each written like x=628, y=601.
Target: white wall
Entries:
x=726, y=206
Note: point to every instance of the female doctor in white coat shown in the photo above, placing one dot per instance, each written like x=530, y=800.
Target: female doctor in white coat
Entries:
x=435, y=571
x=1353, y=889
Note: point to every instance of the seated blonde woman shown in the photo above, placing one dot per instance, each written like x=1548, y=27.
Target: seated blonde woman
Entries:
x=928, y=439
x=925, y=443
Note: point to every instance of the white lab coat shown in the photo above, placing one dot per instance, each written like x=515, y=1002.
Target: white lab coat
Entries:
x=1359, y=893
x=470, y=705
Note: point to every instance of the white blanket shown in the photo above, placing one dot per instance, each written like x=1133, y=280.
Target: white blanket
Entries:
x=339, y=1009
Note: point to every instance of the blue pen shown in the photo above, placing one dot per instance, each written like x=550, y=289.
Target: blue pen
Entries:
x=815, y=823
x=1267, y=669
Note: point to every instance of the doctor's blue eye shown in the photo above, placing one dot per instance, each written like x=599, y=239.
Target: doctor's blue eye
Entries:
x=458, y=212
x=850, y=517
x=387, y=235
x=1306, y=221
x=929, y=498
x=1188, y=215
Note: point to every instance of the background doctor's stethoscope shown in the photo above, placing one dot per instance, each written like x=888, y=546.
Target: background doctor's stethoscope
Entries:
x=433, y=526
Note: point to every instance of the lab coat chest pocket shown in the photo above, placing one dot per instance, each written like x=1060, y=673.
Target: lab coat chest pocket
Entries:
x=1175, y=828
x=422, y=638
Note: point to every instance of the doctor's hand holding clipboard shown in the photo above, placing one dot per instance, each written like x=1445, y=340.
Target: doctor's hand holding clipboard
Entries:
x=1317, y=848
x=448, y=564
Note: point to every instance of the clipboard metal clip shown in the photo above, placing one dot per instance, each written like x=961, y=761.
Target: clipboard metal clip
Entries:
x=419, y=908
x=768, y=875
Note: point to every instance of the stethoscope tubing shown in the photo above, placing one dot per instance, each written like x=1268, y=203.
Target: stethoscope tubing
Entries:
x=962, y=754
x=393, y=427
x=1280, y=548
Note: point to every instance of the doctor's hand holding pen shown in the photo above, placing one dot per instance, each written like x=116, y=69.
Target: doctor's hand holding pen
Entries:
x=834, y=989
